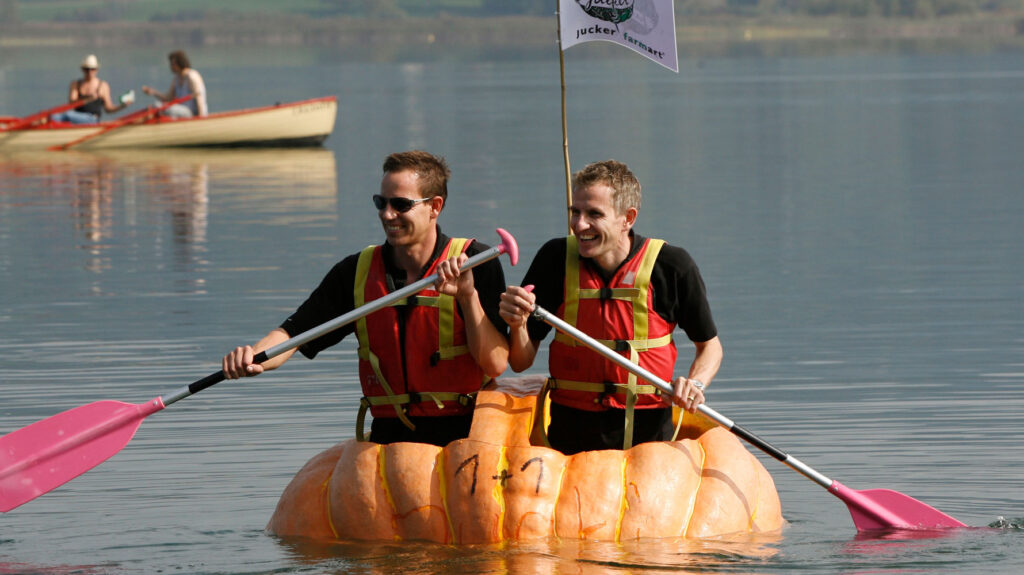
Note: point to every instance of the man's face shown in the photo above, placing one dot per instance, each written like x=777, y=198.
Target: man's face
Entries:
x=415, y=225
x=601, y=233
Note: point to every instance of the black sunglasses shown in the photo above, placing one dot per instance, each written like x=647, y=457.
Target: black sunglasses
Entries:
x=400, y=205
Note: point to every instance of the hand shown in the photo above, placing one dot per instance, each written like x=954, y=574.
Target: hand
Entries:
x=687, y=393
x=451, y=280
x=128, y=98
x=147, y=90
x=516, y=305
x=239, y=363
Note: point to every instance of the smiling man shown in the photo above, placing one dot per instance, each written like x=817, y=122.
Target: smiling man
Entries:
x=626, y=290
x=422, y=360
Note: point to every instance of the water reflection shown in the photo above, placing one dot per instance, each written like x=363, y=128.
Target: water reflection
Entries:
x=158, y=200
x=538, y=557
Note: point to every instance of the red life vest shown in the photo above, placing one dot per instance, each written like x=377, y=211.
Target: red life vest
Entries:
x=620, y=316
x=431, y=372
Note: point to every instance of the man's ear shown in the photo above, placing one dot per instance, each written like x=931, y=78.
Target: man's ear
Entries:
x=631, y=214
x=436, y=205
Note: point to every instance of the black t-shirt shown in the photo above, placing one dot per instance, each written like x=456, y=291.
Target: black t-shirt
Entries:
x=679, y=293
x=335, y=294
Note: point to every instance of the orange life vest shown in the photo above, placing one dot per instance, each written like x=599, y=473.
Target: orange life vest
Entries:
x=620, y=316
x=431, y=372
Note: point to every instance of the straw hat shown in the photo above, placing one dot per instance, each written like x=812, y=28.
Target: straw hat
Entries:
x=91, y=62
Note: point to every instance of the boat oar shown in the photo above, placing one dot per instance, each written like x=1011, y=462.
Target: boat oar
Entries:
x=37, y=459
x=872, y=509
x=19, y=123
x=133, y=118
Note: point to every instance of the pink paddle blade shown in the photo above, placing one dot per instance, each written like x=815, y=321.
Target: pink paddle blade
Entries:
x=876, y=509
x=47, y=454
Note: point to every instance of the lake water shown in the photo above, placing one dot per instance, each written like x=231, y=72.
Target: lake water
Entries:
x=856, y=215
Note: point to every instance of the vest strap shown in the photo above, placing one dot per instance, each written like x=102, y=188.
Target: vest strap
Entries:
x=603, y=388
x=400, y=401
x=368, y=355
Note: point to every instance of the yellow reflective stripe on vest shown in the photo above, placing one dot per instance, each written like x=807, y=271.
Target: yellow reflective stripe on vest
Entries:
x=363, y=335
x=616, y=293
x=446, y=311
x=572, y=285
x=641, y=325
x=637, y=344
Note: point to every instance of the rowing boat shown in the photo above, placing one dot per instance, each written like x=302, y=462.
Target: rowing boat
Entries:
x=304, y=123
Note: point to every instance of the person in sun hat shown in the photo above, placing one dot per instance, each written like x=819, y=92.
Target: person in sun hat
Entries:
x=629, y=292
x=421, y=360
x=186, y=81
x=94, y=95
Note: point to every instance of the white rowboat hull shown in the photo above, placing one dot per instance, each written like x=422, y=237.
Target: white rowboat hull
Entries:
x=305, y=123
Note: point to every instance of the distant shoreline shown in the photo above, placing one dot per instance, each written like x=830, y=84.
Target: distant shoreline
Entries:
x=496, y=32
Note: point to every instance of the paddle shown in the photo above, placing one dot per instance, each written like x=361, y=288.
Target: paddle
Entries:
x=47, y=454
x=29, y=120
x=134, y=117
x=872, y=509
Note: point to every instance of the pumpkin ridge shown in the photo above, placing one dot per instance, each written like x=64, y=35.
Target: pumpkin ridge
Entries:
x=439, y=469
x=382, y=473
x=757, y=499
x=700, y=483
x=499, y=489
x=558, y=497
x=624, y=505
x=326, y=487
x=581, y=534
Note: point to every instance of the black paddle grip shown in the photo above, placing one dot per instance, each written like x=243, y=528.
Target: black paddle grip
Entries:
x=215, y=378
x=760, y=443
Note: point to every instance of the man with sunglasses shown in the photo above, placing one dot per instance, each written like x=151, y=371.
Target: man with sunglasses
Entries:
x=630, y=293
x=422, y=360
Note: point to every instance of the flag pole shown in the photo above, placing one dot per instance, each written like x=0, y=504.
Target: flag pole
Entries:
x=565, y=126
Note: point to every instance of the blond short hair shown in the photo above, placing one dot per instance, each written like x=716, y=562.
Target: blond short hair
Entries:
x=616, y=175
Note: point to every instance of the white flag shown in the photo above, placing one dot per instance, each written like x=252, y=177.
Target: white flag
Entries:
x=647, y=27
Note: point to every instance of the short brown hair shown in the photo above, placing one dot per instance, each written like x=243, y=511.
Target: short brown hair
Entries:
x=616, y=175
x=179, y=58
x=432, y=170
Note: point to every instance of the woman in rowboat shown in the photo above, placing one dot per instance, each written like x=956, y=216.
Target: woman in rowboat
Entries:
x=95, y=95
x=186, y=81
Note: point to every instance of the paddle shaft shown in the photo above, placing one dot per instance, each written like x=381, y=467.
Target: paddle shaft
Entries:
x=325, y=328
x=29, y=120
x=556, y=322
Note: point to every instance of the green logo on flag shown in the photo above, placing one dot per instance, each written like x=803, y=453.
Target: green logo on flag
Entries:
x=614, y=11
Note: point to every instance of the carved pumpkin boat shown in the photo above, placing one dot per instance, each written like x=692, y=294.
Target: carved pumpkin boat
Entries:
x=495, y=486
